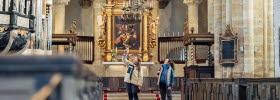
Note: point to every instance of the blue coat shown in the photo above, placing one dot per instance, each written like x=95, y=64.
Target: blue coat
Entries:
x=169, y=77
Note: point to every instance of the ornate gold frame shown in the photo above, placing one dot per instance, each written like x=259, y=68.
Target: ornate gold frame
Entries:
x=147, y=32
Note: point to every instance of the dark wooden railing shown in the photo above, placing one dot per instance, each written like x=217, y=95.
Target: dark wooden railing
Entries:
x=85, y=48
x=173, y=48
x=231, y=89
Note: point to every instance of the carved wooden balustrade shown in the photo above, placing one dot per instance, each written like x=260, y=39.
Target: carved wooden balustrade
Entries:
x=173, y=48
x=231, y=89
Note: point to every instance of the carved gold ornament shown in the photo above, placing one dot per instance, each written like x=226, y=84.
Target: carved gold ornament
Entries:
x=2, y=29
x=22, y=32
x=101, y=42
x=153, y=43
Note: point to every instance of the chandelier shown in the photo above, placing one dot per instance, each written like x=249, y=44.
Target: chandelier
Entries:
x=132, y=11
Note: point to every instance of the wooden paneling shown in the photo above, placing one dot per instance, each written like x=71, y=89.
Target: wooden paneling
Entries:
x=231, y=89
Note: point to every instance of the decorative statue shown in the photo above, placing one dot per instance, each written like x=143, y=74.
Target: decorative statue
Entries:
x=186, y=27
x=1, y=5
x=7, y=2
x=33, y=7
x=73, y=28
x=22, y=6
x=27, y=8
x=15, y=5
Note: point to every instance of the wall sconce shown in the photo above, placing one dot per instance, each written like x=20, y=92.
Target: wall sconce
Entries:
x=256, y=49
x=241, y=48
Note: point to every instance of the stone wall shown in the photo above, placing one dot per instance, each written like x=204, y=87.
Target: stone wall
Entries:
x=172, y=18
x=252, y=20
x=84, y=18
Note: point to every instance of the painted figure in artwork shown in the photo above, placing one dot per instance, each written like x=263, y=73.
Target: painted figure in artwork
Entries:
x=125, y=36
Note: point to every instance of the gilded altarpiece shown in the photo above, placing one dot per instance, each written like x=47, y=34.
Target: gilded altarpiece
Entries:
x=113, y=33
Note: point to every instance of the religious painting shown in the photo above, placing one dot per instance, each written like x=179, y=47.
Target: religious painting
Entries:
x=125, y=36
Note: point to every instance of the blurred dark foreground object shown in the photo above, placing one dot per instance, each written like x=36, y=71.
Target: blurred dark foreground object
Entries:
x=47, y=78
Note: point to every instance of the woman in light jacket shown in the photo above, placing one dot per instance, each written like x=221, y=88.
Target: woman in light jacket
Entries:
x=133, y=77
x=166, y=79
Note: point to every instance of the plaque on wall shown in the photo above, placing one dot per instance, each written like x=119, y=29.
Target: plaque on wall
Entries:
x=228, y=48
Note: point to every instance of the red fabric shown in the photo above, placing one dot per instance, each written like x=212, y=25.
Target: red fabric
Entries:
x=158, y=98
x=105, y=95
x=157, y=95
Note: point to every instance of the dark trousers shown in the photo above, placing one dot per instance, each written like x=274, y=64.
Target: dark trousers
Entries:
x=132, y=91
x=164, y=91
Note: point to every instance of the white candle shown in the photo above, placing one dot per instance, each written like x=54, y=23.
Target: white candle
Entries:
x=178, y=34
x=123, y=4
x=116, y=49
x=173, y=34
x=140, y=50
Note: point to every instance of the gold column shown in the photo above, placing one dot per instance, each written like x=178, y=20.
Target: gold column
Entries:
x=145, y=38
x=109, y=12
x=59, y=19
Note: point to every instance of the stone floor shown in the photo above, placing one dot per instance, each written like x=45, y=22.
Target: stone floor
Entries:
x=142, y=96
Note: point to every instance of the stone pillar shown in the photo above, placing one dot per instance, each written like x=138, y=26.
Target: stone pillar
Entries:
x=49, y=28
x=217, y=10
x=193, y=13
x=59, y=19
x=98, y=67
x=155, y=13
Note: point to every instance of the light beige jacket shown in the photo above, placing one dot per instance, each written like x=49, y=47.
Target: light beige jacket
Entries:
x=132, y=74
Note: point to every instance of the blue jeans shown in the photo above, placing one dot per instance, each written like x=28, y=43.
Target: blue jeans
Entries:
x=164, y=91
x=132, y=91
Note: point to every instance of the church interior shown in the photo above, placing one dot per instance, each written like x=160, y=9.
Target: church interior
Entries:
x=73, y=49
